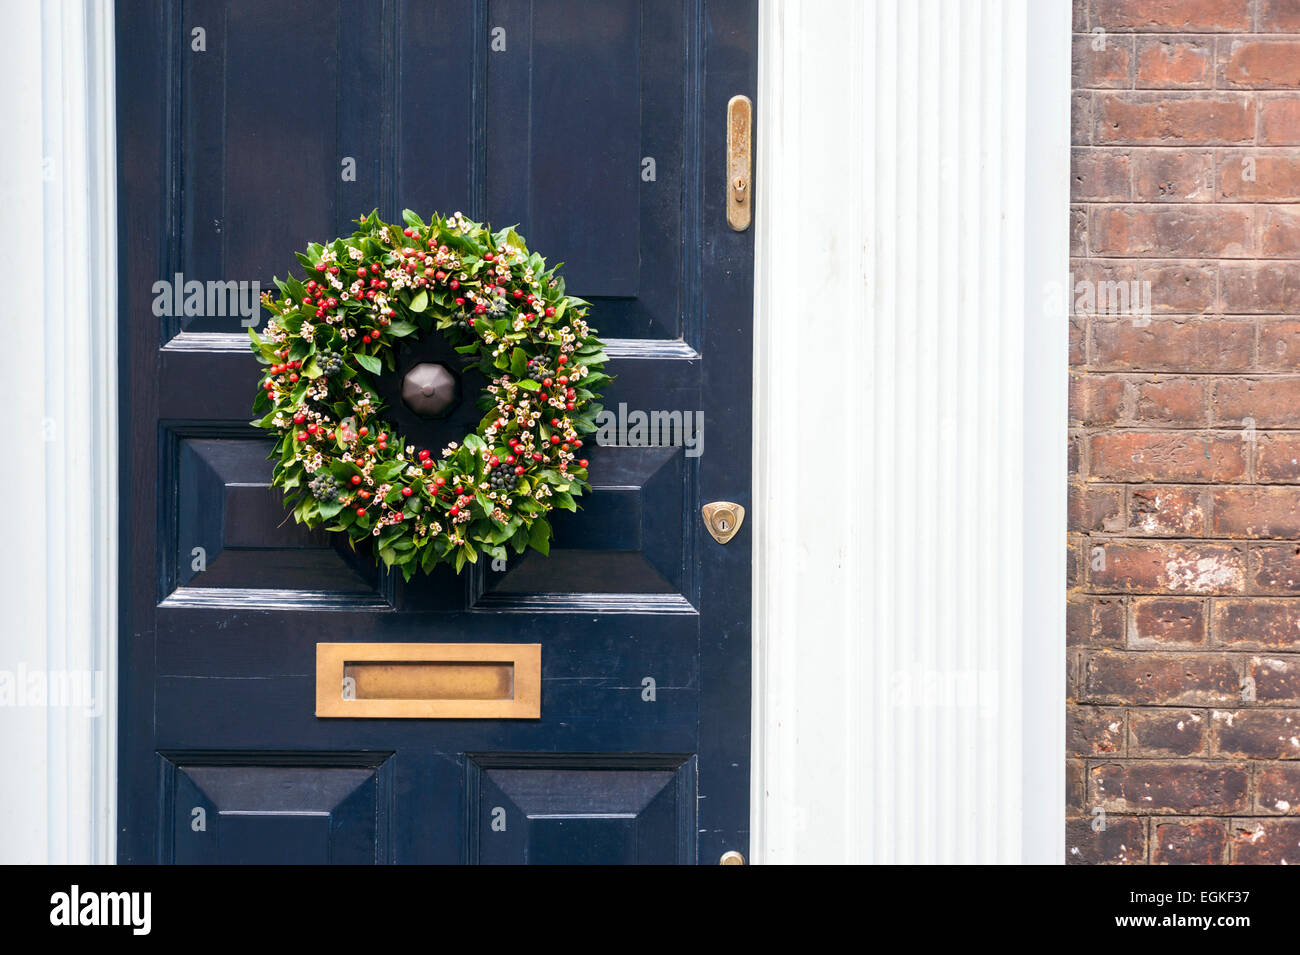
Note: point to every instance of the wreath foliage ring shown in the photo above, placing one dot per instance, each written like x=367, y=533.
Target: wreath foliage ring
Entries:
x=342, y=467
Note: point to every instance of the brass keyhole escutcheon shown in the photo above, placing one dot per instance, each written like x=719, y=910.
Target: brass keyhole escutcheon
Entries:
x=731, y=857
x=723, y=519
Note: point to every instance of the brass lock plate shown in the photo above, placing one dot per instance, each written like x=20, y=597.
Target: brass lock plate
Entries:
x=723, y=519
x=740, y=187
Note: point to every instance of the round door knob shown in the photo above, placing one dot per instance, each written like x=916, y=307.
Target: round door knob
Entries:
x=429, y=389
x=731, y=858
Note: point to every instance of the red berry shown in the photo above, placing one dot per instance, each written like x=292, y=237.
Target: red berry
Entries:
x=365, y=339
x=550, y=312
x=299, y=418
x=293, y=377
x=519, y=469
x=494, y=460
x=555, y=439
x=518, y=294
x=568, y=406
x=546, y=382
x=555, y=422
x=510, y=459
x=583, y=463
x=428, y=465
x=562, y=359
x=361, y=512
x=363, y=431
x=487, y=256
x=302, y=435
x=407, y=492
x=422, y=455
x=321, y=267
x=537, y=457
x=454, y=510
x=361, y=272
x=356, y=479
x=454, y=285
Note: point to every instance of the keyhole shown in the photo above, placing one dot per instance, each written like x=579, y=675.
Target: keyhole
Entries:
x=724, y=525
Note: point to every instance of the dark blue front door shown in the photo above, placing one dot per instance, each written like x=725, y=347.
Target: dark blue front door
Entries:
x=247, y=129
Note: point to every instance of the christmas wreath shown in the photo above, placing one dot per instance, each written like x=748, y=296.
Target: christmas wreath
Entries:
x=342, y=467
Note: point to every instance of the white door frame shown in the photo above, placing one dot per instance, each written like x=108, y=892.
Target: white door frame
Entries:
x=910, y=385
x=909, y=606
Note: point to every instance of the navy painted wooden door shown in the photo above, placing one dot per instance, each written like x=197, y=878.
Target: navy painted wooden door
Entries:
x=247, y=129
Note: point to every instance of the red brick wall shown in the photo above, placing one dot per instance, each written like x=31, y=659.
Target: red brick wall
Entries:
x=1183, y=717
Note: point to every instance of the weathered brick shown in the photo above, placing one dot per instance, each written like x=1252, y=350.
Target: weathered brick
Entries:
x=1164, y=732
x=1172, y=16
x=1277, y=789
x=1078, y=340
x=1078, y=231
x=1177, y=787
x=1219, y=345
x=1110, y=67
x=1162, y=230
x=1099, y=176
x=1279, y=344
x=1265, y=841
x=1275, y=568
x=1255, y=734
x=1175, y=62
x=1176, y=402
x=1094, y=731
x=1095, y=622
x=1189, y=842
x=1096, y=400
x=1167, y=511
x=1121, y=841
x=1257, y=624
x=1279, y=230
x=1076, y=785
x=1252, y=63
x=1160, y=679
x=1278, y=16
x=1191, y=457
x=1104, y=288
x=1081, y=117
x=1254, y=176
x=1279, y=119
x=1168, y=175
x=1167, y=623
x=1273, y=679
x=1272, y=402
x=1260, y=288
x=1165, y=567
x=1256, y=512
x=1278, y=458
x=1096, y=508
x=1158, y=118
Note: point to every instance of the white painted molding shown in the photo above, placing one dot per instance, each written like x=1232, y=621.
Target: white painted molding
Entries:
x=909, y=594
x=58, y=567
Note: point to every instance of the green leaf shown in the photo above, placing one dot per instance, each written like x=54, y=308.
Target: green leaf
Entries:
x=518, y=363
x=402, y=329
x=420, y=302
x=369, y=362
x=539, y=536
x=528, y=384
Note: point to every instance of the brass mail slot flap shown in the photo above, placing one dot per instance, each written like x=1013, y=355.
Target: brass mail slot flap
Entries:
x=448, y=681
